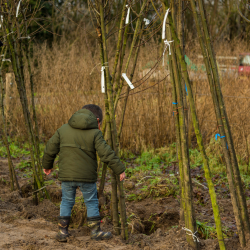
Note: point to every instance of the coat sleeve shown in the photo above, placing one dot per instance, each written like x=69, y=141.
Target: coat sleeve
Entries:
x=51, y=150
x=107, y=155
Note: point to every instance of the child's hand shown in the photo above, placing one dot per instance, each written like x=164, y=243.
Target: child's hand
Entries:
x=122, y=176
x=47, y=171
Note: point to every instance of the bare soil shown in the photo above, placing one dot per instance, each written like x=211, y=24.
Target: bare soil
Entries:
x=153, y=222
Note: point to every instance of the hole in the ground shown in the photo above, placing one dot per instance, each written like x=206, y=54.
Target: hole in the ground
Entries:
x=164, y=221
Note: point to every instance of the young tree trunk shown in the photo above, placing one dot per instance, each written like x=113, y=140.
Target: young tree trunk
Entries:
x=128, y=88
x=228, y=134
x=120, y=41
x=200, y=142
x=16, y=53
x=177, y=129
x=221, y=128
x=178, y=145
x=36, y=134
x=12, y=174
x=114, y=200
x=135, y=35
x=190, y=221
x=119, y=82
x=113, y=124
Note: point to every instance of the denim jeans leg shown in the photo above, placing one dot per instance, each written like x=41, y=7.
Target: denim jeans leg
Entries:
x=89, y=192
x=68, y=198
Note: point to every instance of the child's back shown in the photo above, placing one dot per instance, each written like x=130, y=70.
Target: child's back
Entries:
x=78, y=141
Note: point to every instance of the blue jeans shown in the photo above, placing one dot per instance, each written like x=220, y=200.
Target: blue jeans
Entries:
x=89, y=192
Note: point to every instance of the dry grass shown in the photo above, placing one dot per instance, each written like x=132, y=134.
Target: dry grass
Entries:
x=64, y=85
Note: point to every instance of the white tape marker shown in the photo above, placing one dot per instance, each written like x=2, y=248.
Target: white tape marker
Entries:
x=147, y=22
x=103, y=80
x=127, y=18
x=168, y=45
x=195, y=238
x=164, y=25
x=17, y=9
x=1, y=21
x=28, y=37
x=128, y=81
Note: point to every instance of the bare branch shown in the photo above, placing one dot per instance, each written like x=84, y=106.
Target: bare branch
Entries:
x=246, y=19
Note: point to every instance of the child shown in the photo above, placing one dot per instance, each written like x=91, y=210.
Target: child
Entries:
x=77, y=141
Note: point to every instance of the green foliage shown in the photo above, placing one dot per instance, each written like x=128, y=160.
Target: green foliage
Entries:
x=215, y=156
x=209, y=232
x=131, y=197
x=206, y=231
x=79, y=199
x=195, y=158
x=24, y=164
x=16, y=150
x=158, y=186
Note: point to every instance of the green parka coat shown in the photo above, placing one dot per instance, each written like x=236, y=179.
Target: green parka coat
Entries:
x=78, y=141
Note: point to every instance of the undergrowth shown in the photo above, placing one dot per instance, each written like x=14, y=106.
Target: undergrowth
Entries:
x=152, y=174
x=152, y=162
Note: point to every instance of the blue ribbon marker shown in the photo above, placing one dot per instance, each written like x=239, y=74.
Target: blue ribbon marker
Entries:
x=218, y=135
x=186, y=89
x=175, y=102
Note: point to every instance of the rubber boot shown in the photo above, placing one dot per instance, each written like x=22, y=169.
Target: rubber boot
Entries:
x=63, y=224
x=96, y=232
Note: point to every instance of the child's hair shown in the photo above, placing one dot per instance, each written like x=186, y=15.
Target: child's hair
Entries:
x=96, y=110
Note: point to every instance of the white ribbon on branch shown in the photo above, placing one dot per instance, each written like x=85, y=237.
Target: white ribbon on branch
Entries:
x=195, y=238
x=128, y=81
x=103, y=80
x=167, y=46
x=1, y=21
x=28, y=37
x=127, y=18
x=167, y=43
x=147, y=22
x=164, y=25
x=17, y=9
x=6, y=60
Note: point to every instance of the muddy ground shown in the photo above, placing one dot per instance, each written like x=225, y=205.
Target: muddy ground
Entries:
x=153, y=222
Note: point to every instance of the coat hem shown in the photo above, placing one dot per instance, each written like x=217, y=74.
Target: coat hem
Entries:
x=77, y=180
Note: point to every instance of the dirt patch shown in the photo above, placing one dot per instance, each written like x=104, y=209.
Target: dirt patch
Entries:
x=55, y=193
x=153, y=222
x=149, y=215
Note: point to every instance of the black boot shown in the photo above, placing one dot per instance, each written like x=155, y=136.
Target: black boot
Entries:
x=96, y=232
x=63, y=224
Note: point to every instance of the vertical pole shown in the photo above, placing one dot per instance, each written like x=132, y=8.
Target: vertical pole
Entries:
x=113, y=126
x=190, y=221
x=228, y=134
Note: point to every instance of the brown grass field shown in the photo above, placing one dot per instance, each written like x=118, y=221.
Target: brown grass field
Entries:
x=67, y=76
